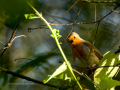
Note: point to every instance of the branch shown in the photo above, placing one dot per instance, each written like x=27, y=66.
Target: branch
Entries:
x=74, y=23
x=81, y=74
x=91, y=22
x=117, y=51
x=2, y=43
x=117, y=65
x=110, y=12
x=115, y=11
x=18, y=37
x=26, y=78
x=76, y=19
x=66, y=11
x=34, y=80
x=10, y=41
x=29, y=29
x=99, y=1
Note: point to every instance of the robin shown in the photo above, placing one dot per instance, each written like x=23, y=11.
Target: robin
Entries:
x=84, y=52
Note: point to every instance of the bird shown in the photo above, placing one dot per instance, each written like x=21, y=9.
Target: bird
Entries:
x=84, y=53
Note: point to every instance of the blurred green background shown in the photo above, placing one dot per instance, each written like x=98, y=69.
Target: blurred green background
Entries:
x=37, y=55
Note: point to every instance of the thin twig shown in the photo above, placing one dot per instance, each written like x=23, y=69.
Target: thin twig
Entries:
x=74, y=23
x=9, y=44
x=2, y=43
x=96, y=33
x=66, y=11
x=89, y=22
x=29, y=29
x=81, y=74
x=18, y=37
x=109, y=12
x=115, y=11
x=95, y=18
x=117, y=65
x=22, y=58
x=117, y=51
x=98, y=1
x=10, y=41
x=75, y=20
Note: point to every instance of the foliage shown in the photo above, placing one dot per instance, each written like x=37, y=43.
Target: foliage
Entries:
x=30, y=16
x=61, y=72
x=103, y=76
x=56, y=31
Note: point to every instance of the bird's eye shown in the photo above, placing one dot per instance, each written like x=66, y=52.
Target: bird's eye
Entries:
x=74, y=37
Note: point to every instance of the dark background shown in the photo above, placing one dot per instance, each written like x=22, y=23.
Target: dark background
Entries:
x=37, y=54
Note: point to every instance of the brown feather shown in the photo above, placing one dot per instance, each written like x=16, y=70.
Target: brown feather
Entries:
x=94, y=49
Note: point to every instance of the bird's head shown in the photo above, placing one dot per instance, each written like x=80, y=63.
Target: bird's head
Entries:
x=74, y=39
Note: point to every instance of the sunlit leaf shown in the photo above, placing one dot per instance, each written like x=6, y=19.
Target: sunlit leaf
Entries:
x=30, y=16
x=56, y=31
x=108, y=83
x=60, y=73
x=109, y=59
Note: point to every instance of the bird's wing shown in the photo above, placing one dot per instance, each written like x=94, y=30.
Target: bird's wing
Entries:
x=94, y=49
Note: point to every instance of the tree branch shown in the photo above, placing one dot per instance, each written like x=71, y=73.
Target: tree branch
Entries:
x=26, y=78
x=10, y=41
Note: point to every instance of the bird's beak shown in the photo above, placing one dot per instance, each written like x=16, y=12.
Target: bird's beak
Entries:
x=70, y=41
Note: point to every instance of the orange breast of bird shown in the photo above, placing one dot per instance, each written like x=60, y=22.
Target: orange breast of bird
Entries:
x=77, y=48
x=83, y=50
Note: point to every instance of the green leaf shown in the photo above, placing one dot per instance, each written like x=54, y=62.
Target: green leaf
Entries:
x=108, y=83
x=30, y=16
x=61, y=73
x=56, y=31
x=109, y=59
x=60, y=43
